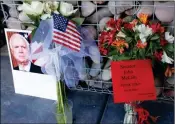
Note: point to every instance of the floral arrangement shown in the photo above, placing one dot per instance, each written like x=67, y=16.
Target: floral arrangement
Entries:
x=35, y=11
x=137, y=38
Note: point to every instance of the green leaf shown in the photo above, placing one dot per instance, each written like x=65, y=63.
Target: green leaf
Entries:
x=78, y=21
x=114, y=52
x=32, y=17
x=126, y=32
x=155, y=37
x=169, y=47
x=28, y=1
x=27, y=24
x=124, y=58
x=121, y=57
x=128, y=39
x=136, y=37
x=128, y=19
x=142, y=53
x=35, y=19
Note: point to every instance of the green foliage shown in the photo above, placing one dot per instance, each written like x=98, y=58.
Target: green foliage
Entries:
x=128, y=39
x=128, y=19
x=79, y=21
x=35, y=19
x=28, y=1
x=169, y=47
x=155, y=37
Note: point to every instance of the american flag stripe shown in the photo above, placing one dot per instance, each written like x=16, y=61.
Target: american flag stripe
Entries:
x=67, y=45
x=72, y=24
x=65, y=33
x=73, y=31
x=73, y=27
x=56, y=33
x=70, y=34
x=67, y=40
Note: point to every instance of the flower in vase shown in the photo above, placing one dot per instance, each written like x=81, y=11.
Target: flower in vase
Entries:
x=35, y=8
x=120, y=45
x=166, y=59
x=141, y=45
x=143, y=18
x=67, y=9
x=169, y=37
x=144, y=31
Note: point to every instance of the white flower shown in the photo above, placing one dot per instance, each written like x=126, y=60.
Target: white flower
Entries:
x=169, y=37
x=166, y=59
x=45, y=16
x=145, y=31
x=67, y=9
x=121, y=34
x=23, y=17
x=35, y=8
x=51, y=6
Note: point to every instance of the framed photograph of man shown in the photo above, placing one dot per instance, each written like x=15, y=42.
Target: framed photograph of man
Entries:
x=28, y=77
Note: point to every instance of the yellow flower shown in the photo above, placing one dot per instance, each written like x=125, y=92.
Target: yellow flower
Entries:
x=143, y=18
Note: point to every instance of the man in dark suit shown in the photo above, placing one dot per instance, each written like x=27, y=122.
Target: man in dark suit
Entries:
x=21, y=51
x=33, y=68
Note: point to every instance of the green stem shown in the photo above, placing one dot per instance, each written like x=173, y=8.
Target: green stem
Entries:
x=60, y=103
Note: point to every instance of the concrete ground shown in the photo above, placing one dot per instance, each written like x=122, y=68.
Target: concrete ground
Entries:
x=88, y=108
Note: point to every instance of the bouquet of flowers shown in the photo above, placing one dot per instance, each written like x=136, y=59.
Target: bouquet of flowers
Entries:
x=133, y=39
x=137, y=38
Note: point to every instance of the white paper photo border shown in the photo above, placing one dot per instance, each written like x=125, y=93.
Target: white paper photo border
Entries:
x=32, y=84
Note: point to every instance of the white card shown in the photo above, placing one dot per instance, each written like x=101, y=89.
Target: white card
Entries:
x=28, y=77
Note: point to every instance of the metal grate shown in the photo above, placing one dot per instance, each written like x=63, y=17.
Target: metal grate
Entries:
x=91, y=84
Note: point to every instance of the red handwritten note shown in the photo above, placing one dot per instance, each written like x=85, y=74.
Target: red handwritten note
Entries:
x=132, y=81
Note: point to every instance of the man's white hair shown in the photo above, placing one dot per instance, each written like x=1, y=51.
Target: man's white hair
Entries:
x=13, y=38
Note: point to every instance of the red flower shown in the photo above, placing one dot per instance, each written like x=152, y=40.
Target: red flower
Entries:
x=114, y=24
x=119, y=23
x=111, y=23
x=103, y=51
x=163, y=42
x=158, y=55
x=111, y=36
x=156, y=27
x=141, y=45
x=128, y=26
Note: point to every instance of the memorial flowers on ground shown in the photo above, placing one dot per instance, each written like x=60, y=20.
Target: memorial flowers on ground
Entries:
x=137, y=38
x=133, y=38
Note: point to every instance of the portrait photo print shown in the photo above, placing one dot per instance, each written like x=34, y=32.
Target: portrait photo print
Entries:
x=20, y=50
x=28, y=75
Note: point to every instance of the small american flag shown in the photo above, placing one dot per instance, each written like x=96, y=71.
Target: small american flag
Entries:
x=65, y=33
